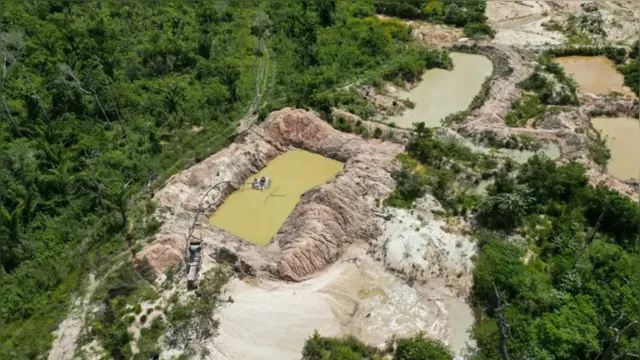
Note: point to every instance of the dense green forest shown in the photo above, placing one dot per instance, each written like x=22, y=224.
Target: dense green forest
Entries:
x=467, y=14
x=100, y=101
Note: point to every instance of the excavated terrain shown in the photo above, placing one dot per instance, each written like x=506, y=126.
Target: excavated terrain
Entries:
x=314, y=235
x=570, y=128
x=394, y=272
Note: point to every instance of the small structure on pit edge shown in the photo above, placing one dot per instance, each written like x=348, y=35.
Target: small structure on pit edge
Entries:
x=193, y=263
x=261, y=183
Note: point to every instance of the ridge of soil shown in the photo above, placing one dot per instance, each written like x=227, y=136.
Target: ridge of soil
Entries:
x=326, y=219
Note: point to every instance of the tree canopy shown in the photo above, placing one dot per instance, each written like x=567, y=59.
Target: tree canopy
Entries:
x=101, y=101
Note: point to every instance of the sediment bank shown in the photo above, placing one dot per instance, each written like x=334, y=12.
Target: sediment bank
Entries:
x=326, y=219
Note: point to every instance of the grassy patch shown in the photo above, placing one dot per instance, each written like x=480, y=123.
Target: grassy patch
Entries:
x=631, y=74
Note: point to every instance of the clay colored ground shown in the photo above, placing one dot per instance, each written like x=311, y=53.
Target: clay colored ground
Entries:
x=594, y=74
x=443, y=92
x=272, y=319
x=623, y=138
x=256, y=215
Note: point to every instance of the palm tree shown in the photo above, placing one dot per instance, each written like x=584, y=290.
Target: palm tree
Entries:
x=118, y=197
x=173, y=97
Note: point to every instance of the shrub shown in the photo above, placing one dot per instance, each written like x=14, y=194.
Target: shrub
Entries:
x=631, y=73
x=551, y=84
x=348, y=348
x=419, y=348
x=226, y=256
x=616, y=54
x=473, y=30
x=524, y=109
x=410, y=185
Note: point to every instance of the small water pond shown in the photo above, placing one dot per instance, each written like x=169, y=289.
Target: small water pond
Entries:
x=623, y=138
x=443, y=92
x=256, y=215
x=594, y=74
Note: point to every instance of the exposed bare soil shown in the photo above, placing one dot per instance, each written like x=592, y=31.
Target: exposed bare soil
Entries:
x=524, y=23
x=326, y=219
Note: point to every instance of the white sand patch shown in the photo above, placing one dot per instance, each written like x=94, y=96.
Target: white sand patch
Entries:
x=505, y=13
x=65, y=337
x=419, y=245
x=272, y=319
x=529, y=35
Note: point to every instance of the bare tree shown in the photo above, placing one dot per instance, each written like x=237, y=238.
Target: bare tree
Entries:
x=503, y=325
x=75, y=83
x=10, y=44
x=38, y=99
x=609, y=353
x=588, y=239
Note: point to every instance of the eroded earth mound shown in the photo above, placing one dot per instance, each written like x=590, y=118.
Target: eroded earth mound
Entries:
x=326, y=219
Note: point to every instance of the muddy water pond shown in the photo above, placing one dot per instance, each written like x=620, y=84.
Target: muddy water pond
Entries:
x=623, y=139
x=256, y=215
x=594, y=74
x=443, y=92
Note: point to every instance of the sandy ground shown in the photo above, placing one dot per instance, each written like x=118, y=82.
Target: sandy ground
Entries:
x=272, y=319
x=367, y=293
x=65, y=337
x=519, y=23
x=419, y=245
x=529, y=34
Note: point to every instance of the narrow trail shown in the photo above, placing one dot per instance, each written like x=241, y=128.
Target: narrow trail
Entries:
x=64, y=344
x=261, y=82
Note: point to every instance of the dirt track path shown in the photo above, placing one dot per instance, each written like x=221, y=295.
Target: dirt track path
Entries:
x=64, y=345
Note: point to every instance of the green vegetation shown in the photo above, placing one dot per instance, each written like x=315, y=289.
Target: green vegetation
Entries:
x=584, y=28
x=349, y=126
x=148, y=342
x=358, y=47
x=551, y=84
x=599, y=152
x=548, y=85
x=100, y=102
x=445, y=162
x=558, y=273
x=616, y=54
x=522, y=110
x=580, y=285
x=468, y=14
x=454, y=118
x=631, y=74
x=120, y=295
x=350, y=348
x=477, y=29
x=418, y=348
x=195, y=318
